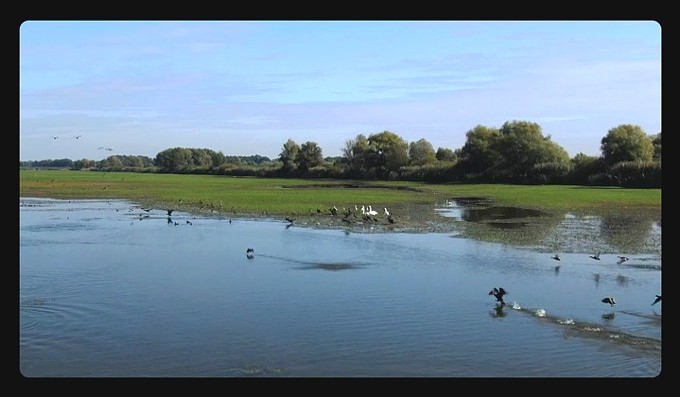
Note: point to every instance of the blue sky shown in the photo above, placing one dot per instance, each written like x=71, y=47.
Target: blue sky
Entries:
x=245, y=87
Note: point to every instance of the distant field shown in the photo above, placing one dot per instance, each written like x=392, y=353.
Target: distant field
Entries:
x=264, y=196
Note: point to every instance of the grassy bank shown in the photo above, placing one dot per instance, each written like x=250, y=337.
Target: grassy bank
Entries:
x=260, y=196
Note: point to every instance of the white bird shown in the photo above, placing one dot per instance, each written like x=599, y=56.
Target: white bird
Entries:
x=371, y=211
x=387, y=213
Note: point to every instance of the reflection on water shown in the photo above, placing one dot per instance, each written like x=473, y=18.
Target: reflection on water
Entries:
x=107, y=292
x=618, y=230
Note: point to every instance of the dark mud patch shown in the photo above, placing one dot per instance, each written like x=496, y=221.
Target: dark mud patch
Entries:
x=352, y=186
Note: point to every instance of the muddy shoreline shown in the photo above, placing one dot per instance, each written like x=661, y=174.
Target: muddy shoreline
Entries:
x=609, y=233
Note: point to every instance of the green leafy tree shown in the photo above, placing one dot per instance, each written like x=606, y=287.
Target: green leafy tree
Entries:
x=626, y=142
x=200, y=158
x=444, y=154
x=355, y=155
x=421, y=152
x=387, y=152
x=479, y=154
x=170, y=160
x=522, y=146
x=308, y=157
x=114, y=162
x=288, y=157
x=656, y=142
x=584, y=167
x=216, y=158
x=83, y=164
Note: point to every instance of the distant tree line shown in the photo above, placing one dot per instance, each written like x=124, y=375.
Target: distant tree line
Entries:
x=517, y=152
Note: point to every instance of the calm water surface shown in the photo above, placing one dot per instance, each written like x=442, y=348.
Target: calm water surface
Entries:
x=108, y=290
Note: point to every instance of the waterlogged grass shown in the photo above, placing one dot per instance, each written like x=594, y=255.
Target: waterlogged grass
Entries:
x=301, y=196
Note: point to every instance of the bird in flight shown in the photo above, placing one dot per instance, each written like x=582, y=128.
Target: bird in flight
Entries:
x=610, y=300
x=596, y=256
x=622, y=259
x=657, y=300
x=498, y=294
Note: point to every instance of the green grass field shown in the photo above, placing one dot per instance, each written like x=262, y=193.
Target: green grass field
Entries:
x=264, y=196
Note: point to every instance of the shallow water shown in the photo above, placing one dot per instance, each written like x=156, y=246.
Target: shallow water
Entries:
x=108, y=290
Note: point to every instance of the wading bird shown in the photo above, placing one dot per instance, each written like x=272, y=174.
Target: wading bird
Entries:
x=498, y=294
x=610, y=300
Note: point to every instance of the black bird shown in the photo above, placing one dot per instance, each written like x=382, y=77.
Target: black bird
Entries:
x=250, y=253
x=657, y=300
x=290, y=220
x=498, y=294
x=596, y=256
x=169, y=212
x=622, y=259
x=189, y=222
x=556, y=257
x=609, y=300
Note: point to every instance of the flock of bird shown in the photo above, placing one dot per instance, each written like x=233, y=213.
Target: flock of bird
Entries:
x=498, y=293
x=77, y=137
x=367, y=213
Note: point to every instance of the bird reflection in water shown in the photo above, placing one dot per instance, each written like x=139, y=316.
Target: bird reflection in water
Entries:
x=498, y=311
x=608, y=316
